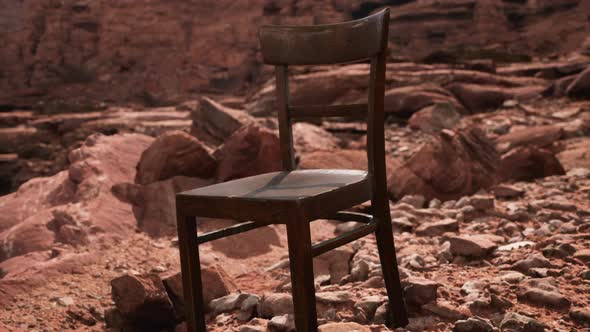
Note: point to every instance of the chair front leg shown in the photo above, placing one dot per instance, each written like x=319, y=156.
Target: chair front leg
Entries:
x=386, y=247
x=302, y=281
x=191, y=272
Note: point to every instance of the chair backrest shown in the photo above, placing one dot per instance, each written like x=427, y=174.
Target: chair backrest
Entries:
x=364, y=39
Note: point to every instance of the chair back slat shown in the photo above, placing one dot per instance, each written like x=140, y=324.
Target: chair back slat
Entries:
x=331, y=44
x=323, y=44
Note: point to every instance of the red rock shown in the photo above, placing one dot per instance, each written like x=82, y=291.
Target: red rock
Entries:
x=471, y=245
x=538, y=136
x=249, y=151
x=480, y=98
x=543, y=292
x=529, y=163
x=338, y=327
x=434, y=118
x=580, y=87
x=453, y=165
x=143, y=300
x=408, y=100
x=419, y=291
x=154, y=204
x=436, y=228
x=213, y=123
x=174, y=153
x=576, y=153
x=216, y=283
x=308, y=137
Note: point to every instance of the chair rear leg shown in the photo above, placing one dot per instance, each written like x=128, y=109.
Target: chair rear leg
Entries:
x=191, y=273
x=386, y=246
x=302, y=282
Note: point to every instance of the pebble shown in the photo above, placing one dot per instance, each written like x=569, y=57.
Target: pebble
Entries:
x=419, y=290
x=473, y=324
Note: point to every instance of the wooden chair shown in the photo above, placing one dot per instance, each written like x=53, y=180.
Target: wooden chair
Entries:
x=297, y=197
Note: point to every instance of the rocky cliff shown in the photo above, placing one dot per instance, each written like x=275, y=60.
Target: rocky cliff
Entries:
x=155, y=52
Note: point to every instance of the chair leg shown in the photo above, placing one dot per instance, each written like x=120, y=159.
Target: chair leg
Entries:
x=191, y=273
x=302, y=282
x=386, y=246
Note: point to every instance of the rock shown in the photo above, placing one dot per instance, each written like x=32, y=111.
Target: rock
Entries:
x=340, y=159
x=284, y=323
x=437, y=228
x=83, y=190
x=580, y=316
x=480, y=98
x=416, y=201
x=229, y=302
x=454, y=165
x=275, y=304
x=446, y=310
x=154, y=204
x=143, y=299
x=536, y=136
x=249, y=151
x=473, y=324
x=175, y=153
x=368, y=305
x=213, y=123
x=575, y=153
x=529, y=163
x=585, y=274
x=252, y=328
x=471, y=245
x=65, y=301
x=308, y=137
x=583, y=255
x=505, y=191
x=342, y=327
x=580, y=87
x=433, y=119
x=534, y=261
x=407, y=100
x=543, y=292
x=517, y=322
x=216, y=283
x=333, y=297
x=419, y=291
x=482, y=202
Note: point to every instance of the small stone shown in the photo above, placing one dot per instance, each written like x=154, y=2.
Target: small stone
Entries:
x=583, y=255
x=420, y=291
x=360, y=270
x=369, y=305
x=585, y=274
x=284, y=323
x=437, y=228
x=275, y=304
x=342, y=327
x=517, y=322
x=504, y=191
x=471, y=245
x=445, y=310
x=228, y=303
x=482, y=202
x=65, y=301
x=473, y=324
x=543, y=292
x=435, y=203
x=534, y=261
x=334, y=297
x=515, y=245
x=580, y=316
x=416, y=201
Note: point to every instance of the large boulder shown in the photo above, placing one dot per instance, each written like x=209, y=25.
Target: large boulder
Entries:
x=580, y=87
x=174, y=153
x=453, y=165
x=249, y=151
x=58, y=208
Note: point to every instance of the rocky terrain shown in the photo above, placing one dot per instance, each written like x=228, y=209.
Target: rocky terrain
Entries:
x=488, y=155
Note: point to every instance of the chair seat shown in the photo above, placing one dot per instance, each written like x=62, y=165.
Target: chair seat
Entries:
x=268, y=196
